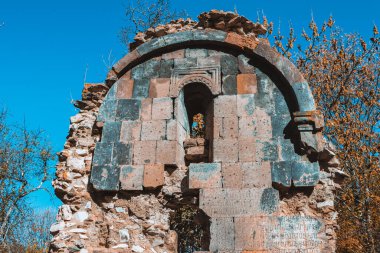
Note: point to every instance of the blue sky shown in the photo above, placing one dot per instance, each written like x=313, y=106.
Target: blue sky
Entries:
x=46, y=46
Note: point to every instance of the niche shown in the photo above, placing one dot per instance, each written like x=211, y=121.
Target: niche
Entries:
x=199, y=108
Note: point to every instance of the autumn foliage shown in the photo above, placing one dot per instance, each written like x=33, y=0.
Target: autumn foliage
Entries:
x=343, y=71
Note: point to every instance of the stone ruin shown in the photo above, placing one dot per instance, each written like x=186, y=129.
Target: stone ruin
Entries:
x=261, y=179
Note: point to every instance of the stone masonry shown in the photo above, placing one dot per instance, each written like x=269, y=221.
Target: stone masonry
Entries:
x=263, y=176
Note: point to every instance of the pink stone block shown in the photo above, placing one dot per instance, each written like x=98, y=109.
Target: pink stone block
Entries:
x=153, y=130
x=230, y=127
x=225, y=150
x=166, y=152
x=146, y=109
x=124, y=88
x=225, y=106
x=247, y=127
x=159, y=87
x=130, y=131
x=256, y=175
x=162, y=108
x=232, y=175
x=247, y=149
x=144, y=152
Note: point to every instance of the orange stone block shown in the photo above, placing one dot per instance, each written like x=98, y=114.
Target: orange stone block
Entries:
x=246, y=84
x=153, y=175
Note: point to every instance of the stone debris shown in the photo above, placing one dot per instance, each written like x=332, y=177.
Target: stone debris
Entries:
x=129, y=162
x=218, y=20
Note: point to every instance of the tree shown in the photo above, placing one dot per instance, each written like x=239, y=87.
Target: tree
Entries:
x=25, y=165
x=144, y=14
x=343, y=71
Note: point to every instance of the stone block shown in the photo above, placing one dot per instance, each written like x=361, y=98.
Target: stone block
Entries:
x=141, y=88
x=232, y=202
x=177, y=54
x=229, y=65
x=131, y=177
x=225, y=106
x=102, y=154
x=137, y=72
x=124, y=88
x=269, y=200
x=230, y=127
x=256, y=175
x=245, y=105
x=209, y=61
x=196, y=153
x=162, y=108
x=247, y=149
x=128, y=109
x=214, y=35
x=225, y=150
x=166, y=68
x=196, y=52
x=111, y=131
x=247, y=127
x=150, y=46
x=144, y=152
x=107, y=110
x=244, y=66
x=205, y=175
x=122, y=153
x=217, y=128
x=146, y=109
x=105, y=178
x=130, y=131
x=267, y=150
x=279, y=122
x=305, y=173
x=179, y=37
x=282, y=173
x=229, y=85
x=185, y=63
x=246, y=84
x=166, y=152
x=171, y=130
x=153, y=175
x=159, y=87
x=232, y=175
x=151, y=68
x=272, y=233
x=153, y=130
x=222, y=233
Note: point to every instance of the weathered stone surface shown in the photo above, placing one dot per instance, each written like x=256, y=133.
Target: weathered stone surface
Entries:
x=153, y=175
x=144, y=152
x=167, y=152
x=162, y=108
x=128, y=109
x=232, y=175
x=229, y=86
x=103, y=154
x=225, y=106
x=124, y=89
x=105, y=178
x=245, y=202
x=111, y=132
x=141, y=88
x=159, y=87
x=226, y=150
x=122, y=154
x=153, y=130
x=256, y=175
x=222, y=234
x=131, y=177
x=205, y=175
x=130, y=131
x=246, y=84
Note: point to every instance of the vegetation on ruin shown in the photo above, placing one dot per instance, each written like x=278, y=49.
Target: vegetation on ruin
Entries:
x=343, y=71
x=25, y=165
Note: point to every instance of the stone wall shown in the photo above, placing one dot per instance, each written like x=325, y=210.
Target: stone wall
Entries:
x=263, y=179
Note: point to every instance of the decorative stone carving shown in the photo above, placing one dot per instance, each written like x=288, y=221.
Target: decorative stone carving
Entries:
x=209, y=76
